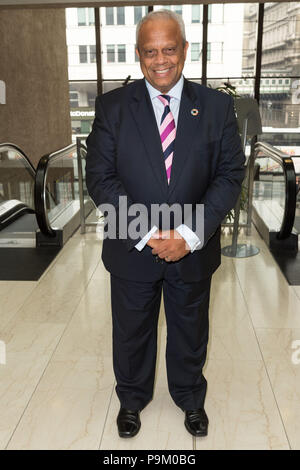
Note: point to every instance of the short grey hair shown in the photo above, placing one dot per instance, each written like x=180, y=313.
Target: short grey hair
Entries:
x=164, y=14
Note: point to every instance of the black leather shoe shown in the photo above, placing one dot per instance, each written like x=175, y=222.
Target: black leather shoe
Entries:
x=128, y=422
x=196, y=422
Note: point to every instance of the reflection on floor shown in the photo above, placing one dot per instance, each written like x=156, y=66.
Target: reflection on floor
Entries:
x=56, y=379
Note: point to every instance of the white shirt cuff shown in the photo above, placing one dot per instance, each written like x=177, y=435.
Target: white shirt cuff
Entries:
x=189, y=236
x=143, y=242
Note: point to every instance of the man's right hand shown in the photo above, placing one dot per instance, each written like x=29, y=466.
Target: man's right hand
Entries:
x=154, y=242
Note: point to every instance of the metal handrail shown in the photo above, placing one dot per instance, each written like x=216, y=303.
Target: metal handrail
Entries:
x=22, y=207
x=81, y=147
x=40, y=189
x=20, y=151
x=83, y=224
x=287, y=166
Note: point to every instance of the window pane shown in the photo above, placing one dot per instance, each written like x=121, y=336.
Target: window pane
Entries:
x=209, y=13
x=81, y=16
x=91, y=16
x=208, y=52
x=79, y=39
x=195, y=13
x=73, y=99
x=215, y=52
x=109, y=15
x=85, y=127
x=232, y=38
x=83, y=54
x=76, y=127
x=138, y=14
x=82, y=103
x=110, y=52
x=195, y=51
x=279, y=98
x=120, y=15
x=178, y=9
x=121, y=53
x=124, y=52
x=216, y=13
x=92, y=54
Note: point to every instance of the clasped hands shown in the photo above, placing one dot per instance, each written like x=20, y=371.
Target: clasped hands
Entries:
x=168, y=245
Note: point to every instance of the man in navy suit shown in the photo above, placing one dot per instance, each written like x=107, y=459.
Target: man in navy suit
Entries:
x=163, y=142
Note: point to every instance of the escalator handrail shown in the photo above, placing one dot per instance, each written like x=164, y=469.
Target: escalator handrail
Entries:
x=21, y=152
x=84, y=147
x=13, y=213
x=40, y=189
x=287, y=165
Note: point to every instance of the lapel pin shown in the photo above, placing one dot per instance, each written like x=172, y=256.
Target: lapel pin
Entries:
x=194, y=112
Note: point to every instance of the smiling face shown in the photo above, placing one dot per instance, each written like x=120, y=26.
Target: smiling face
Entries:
x=161, y=52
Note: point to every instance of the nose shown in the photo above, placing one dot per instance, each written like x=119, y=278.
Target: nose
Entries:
x=160, y=58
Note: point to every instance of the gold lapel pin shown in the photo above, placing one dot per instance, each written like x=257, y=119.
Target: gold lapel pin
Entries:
x=194, y=112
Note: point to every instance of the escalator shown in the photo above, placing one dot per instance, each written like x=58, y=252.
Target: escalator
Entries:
x=56, y=196
x=18, y=223
x=39, y=209
x=274, y=202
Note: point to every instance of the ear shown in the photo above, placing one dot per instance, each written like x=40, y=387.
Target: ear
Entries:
x=186, y=46
x=137, y=52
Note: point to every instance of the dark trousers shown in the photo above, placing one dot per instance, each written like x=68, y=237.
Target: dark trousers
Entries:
x=135, y=310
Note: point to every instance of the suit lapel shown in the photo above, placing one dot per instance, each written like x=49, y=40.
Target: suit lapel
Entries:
x=185, y=133
x=143, y=113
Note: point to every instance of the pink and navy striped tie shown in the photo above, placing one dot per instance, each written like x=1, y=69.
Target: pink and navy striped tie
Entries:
x=167, y=132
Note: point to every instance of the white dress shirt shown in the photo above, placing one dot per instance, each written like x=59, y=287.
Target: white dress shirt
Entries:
x=175, y=93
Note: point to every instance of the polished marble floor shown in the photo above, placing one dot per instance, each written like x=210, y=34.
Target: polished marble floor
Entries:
x=57, y=384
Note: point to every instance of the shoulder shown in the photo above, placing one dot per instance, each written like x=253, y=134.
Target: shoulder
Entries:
x=116, y=97
x=209, y=94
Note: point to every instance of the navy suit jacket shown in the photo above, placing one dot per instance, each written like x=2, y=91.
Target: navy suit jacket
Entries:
x=125, y=158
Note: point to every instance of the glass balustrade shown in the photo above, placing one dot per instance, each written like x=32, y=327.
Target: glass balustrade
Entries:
x=16, y=176
x=56, y=191
x=274, y=189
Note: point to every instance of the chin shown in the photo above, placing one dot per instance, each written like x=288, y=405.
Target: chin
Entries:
x=164, y=86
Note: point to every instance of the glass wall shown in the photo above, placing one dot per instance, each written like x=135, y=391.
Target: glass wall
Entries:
x=119, y=61
x=82, y=68
x=280, y=62
x=280, y=77
x=231, y=55
x=82, y=106
x=231, y=48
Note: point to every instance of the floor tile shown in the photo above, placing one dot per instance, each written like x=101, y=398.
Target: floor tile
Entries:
x=241, y=408
x=68, y=409
x=281, y=351
x=18, y=380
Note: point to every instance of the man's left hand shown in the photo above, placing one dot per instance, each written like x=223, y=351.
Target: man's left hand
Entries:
x=172, y=246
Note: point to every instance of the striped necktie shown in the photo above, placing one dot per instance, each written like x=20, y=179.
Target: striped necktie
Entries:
x=167, y=132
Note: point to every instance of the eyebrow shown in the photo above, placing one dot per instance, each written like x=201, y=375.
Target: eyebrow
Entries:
x=164, y=47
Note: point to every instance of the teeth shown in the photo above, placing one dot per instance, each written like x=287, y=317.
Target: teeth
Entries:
x=162, y=71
